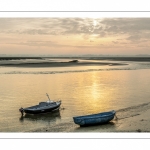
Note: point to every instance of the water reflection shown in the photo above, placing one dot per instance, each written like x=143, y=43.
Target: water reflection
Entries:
x=81, y=94
x=46, y=117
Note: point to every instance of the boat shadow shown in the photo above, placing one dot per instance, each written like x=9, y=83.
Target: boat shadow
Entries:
x=50, y=116
x=101, y=127
x=98, y=124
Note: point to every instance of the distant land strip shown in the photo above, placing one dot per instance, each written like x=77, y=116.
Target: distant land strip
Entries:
x=142, y=59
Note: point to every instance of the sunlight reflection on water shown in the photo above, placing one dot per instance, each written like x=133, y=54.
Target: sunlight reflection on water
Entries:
x=81, y=93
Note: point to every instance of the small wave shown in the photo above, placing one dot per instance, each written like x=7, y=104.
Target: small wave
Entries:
x=68, y=71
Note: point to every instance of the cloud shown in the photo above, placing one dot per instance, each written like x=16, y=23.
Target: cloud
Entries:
x=134, y=37
x=39, y=43
x=131, y=29
x=126, y=24
x=48, y=44
x=115, y=42
x=52, y=26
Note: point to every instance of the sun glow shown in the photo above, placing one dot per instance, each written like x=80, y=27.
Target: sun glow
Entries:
x=95, y=23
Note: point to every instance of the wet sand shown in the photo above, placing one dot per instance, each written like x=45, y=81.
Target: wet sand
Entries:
x=45, y=61
x=131, y=119
x=57, y=64
x=113, y=58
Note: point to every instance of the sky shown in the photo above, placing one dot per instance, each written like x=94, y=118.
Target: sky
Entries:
x=74, y=36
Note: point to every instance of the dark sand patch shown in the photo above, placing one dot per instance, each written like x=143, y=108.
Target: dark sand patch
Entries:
x=119, y=58
x=60, y=64
x=110, y=58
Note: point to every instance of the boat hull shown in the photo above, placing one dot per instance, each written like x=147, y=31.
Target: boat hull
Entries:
x=94, y=119
x=42, y=110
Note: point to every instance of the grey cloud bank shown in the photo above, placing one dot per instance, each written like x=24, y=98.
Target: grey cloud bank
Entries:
x=120, y=31
x=132, y=27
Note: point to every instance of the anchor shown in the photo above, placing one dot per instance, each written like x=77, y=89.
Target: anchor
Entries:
x=22, y=111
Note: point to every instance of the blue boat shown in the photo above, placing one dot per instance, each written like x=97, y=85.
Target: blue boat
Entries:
x=94, y=119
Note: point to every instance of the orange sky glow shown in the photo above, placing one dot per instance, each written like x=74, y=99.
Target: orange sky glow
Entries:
x=75, y=36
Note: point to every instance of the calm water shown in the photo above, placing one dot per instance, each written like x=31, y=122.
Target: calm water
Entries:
x=83, y=90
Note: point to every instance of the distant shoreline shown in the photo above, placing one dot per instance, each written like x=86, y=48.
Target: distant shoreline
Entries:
x=72, y=61
x=61, y=64
x=119, y=58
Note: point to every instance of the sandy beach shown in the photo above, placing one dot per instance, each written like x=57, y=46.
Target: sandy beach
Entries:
x=131, y=119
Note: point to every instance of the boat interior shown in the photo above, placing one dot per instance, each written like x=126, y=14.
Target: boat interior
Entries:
x=43, y=104
x=104, y=114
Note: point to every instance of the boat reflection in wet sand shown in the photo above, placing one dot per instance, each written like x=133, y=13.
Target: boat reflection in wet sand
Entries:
x=94, y=119
x=43, y=107
x=47, y=117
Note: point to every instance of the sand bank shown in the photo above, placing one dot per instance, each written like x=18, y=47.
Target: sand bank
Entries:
x=60, y=64
x=131, y=119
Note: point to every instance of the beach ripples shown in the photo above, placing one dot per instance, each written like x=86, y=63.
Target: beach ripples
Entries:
x=68, y=71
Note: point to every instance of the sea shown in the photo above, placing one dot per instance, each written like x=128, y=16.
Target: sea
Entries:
x=83, y=90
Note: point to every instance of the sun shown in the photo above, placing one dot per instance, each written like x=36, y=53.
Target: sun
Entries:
x=95, y=23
